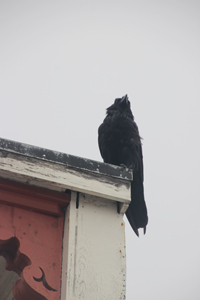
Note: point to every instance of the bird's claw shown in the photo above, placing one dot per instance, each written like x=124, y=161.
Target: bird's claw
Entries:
x=123, y=166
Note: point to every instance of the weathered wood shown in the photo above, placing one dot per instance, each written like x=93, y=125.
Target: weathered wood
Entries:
x=33, y=198
x=57, y=176
x=75, y=162
x=94, y=262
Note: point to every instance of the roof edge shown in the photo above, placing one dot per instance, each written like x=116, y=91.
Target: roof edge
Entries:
x=68, y=160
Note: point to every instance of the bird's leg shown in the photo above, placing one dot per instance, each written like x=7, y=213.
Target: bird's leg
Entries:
x=131, y=167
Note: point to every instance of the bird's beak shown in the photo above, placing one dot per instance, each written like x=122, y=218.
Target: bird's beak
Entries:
x=125, y=99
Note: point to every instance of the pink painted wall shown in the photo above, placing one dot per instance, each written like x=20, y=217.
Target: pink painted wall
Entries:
x=40, y=246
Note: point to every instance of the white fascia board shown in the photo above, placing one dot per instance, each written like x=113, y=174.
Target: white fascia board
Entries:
x=56, y=176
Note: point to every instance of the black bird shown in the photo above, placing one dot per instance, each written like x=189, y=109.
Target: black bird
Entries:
x=120, y=144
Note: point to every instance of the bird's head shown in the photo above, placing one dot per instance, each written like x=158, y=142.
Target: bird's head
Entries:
x=120, y=104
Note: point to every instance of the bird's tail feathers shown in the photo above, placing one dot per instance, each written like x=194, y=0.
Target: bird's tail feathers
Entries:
x=137, y=211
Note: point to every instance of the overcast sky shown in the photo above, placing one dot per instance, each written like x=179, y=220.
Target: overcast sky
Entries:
x=63, y=62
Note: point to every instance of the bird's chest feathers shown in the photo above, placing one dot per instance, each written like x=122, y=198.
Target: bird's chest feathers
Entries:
x=119, y=132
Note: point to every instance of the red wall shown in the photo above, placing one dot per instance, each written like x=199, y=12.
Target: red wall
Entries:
x=31, y=239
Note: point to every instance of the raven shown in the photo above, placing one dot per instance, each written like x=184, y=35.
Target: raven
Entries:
x=120, y=144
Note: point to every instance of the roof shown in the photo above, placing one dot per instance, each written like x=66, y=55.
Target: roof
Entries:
x=60, y=171
x=68, y=160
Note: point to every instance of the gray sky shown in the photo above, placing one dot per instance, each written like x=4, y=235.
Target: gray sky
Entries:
x=63, y=62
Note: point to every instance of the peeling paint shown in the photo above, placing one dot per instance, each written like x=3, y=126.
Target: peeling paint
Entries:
x=65, y=159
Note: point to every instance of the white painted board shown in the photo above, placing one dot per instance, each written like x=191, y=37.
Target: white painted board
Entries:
x=94, y=254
